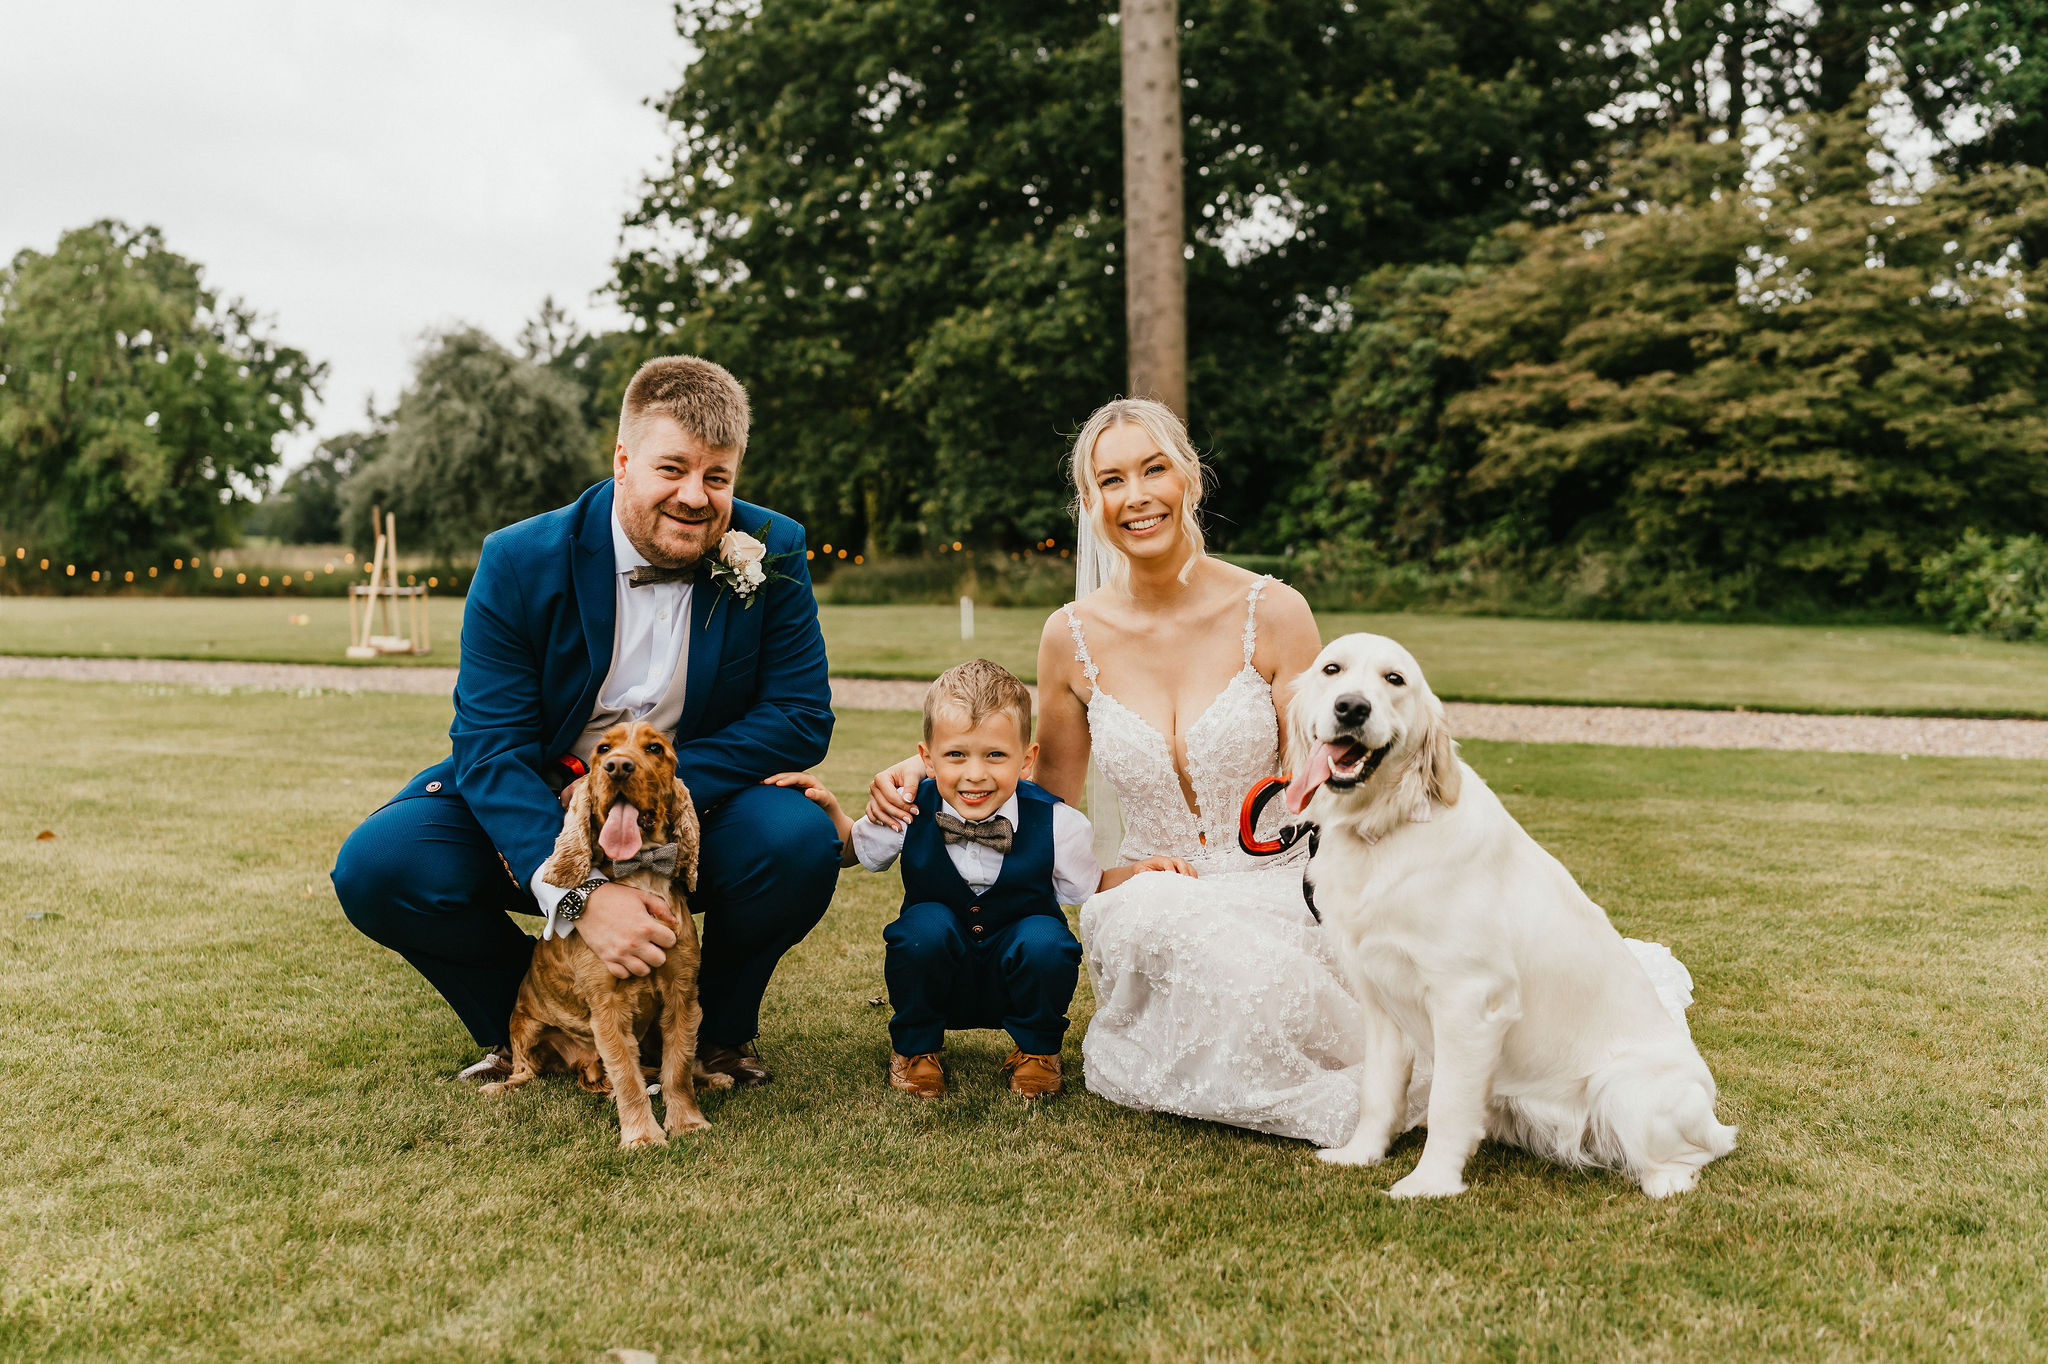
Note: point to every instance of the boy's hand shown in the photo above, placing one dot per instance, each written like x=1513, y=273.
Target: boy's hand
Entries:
x=811, y=787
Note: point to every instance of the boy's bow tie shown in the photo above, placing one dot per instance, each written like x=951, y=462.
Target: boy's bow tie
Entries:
x=652, y=573
x=992, y=833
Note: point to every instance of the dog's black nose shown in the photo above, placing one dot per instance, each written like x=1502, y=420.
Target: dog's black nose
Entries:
x=619, y=767
x=1351, y=708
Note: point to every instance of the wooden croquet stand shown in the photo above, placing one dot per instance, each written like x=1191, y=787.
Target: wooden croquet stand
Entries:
x=381, y=597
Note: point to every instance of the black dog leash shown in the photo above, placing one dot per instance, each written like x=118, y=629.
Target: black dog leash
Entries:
x=1255, y=802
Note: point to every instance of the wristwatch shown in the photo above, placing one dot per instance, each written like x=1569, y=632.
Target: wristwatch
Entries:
x=570, y=908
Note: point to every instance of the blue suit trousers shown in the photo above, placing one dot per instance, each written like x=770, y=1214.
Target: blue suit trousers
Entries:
x=1020, y=980
x=421, y=877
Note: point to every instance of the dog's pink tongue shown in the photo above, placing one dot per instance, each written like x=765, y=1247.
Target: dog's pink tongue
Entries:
x=620, y=836
x=1313, y=774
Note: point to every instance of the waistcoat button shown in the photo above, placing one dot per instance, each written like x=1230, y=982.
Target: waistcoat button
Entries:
x=977, y=928
x=976, y=909
x=433, y=786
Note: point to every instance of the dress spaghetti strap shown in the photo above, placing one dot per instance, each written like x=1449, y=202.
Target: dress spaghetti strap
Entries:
x=1251, y=618
x=1088, y=668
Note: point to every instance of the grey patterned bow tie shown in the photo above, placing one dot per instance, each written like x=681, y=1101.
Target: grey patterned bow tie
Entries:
x=661, y=861
x=654, y=573
x=992, y=833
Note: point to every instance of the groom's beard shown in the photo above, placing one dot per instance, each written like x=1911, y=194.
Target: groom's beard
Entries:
x=673, y=536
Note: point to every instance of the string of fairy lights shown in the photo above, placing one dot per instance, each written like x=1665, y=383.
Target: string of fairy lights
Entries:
x=196, y=566
x=25, y=561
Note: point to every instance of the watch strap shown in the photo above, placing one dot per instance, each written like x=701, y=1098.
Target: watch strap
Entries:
x=572, y=904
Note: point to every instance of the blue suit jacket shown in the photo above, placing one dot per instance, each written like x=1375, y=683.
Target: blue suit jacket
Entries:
x=537, y=642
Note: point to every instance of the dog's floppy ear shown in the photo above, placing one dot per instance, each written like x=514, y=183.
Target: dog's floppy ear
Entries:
x=1299, y=737
x=688, y=836
x=1439, y=761
x=570, y=863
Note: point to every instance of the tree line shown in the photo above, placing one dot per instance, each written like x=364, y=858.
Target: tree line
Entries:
x=1618, y=305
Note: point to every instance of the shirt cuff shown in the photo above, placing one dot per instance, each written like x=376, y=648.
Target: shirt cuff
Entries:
x=875, y=846
x=549, y=898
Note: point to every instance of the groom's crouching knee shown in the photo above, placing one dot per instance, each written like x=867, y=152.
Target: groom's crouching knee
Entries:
x=418, y=866
x=368, y=877
x=769, y=840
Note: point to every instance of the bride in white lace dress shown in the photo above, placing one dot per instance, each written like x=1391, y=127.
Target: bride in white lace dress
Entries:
x=1216, y=996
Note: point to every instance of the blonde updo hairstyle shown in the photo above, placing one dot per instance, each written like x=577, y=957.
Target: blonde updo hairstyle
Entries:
x=1170, y=436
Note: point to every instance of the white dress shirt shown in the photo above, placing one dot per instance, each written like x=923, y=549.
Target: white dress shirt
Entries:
x=650, y=652
x=1075, y=872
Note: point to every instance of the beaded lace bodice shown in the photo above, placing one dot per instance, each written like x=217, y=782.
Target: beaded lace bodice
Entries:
x=1231, y=745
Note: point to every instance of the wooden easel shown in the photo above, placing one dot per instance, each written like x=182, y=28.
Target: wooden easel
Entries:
x=383, y=592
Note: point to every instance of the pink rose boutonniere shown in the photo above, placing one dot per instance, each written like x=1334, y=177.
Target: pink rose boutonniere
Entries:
x=744, y=566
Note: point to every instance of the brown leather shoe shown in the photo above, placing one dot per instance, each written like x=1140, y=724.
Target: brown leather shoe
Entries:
x=920, y=1075
x=1034, y=1077
x=740, y=1063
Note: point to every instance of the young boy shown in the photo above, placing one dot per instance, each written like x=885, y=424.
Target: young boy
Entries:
x=988, y=861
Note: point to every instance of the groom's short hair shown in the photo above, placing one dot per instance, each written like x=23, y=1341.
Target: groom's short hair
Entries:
x=702, y=398
x=976, y=690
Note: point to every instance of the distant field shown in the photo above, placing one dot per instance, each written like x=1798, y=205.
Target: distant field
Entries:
x=1873, y=669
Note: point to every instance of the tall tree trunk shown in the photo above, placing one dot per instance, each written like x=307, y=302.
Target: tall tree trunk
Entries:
x=1736, y=67
x=1840, y=42
x=1155, y=270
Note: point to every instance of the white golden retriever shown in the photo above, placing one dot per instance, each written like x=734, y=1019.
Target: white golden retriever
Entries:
x=1476, y=953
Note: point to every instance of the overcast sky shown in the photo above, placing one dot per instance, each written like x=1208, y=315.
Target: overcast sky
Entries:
x=358, y=172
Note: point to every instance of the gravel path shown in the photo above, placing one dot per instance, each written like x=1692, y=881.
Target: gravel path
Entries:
x=1633, y=726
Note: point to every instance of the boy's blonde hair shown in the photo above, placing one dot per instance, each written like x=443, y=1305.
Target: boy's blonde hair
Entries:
x=978, y=689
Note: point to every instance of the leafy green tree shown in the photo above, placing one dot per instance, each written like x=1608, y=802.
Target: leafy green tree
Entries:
x=898, y=221
x=138, y=409
x=1707, y=392
x=306, y=508
x=479, y=440
x=1974, y=76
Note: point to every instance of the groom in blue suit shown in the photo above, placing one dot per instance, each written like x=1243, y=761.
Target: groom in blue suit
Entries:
x=608, y=610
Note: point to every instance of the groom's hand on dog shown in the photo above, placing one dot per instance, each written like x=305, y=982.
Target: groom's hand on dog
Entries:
x=629, y=930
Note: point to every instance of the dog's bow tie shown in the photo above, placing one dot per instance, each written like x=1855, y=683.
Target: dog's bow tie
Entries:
x=648, y=574
x=661, y=861
x=992, y=833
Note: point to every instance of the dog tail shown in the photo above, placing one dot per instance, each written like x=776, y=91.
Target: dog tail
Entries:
x=1654, y=1119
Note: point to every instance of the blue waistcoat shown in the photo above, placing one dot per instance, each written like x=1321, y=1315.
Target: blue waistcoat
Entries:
x=1023, y=887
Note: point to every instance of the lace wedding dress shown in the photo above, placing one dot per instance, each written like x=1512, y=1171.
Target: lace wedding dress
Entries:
x=1218, y=997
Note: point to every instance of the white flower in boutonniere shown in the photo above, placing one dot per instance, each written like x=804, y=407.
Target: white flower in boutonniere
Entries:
x=744, y=564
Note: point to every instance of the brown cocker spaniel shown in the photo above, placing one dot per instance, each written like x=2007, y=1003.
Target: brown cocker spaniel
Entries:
x=633, y=821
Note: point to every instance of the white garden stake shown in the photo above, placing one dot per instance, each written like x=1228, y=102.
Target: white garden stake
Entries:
x=967, y=618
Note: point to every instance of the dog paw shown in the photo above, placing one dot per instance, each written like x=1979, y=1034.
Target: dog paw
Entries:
x=1352, y=1155
x=1674, y=1179
x=640, y=1141
x=1420, y=1185
x=693, y=1122
x=715, y=1080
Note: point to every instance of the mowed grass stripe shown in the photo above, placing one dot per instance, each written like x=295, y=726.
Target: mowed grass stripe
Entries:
x=1882, y=670
x=228, y=1128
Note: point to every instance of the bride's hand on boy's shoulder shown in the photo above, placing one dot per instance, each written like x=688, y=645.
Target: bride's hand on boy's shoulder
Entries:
x=892, y=795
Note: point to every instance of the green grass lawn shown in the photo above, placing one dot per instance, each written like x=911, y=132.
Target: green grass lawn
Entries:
x=1872, y=669
x=228, y=1131
x=251, y=629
